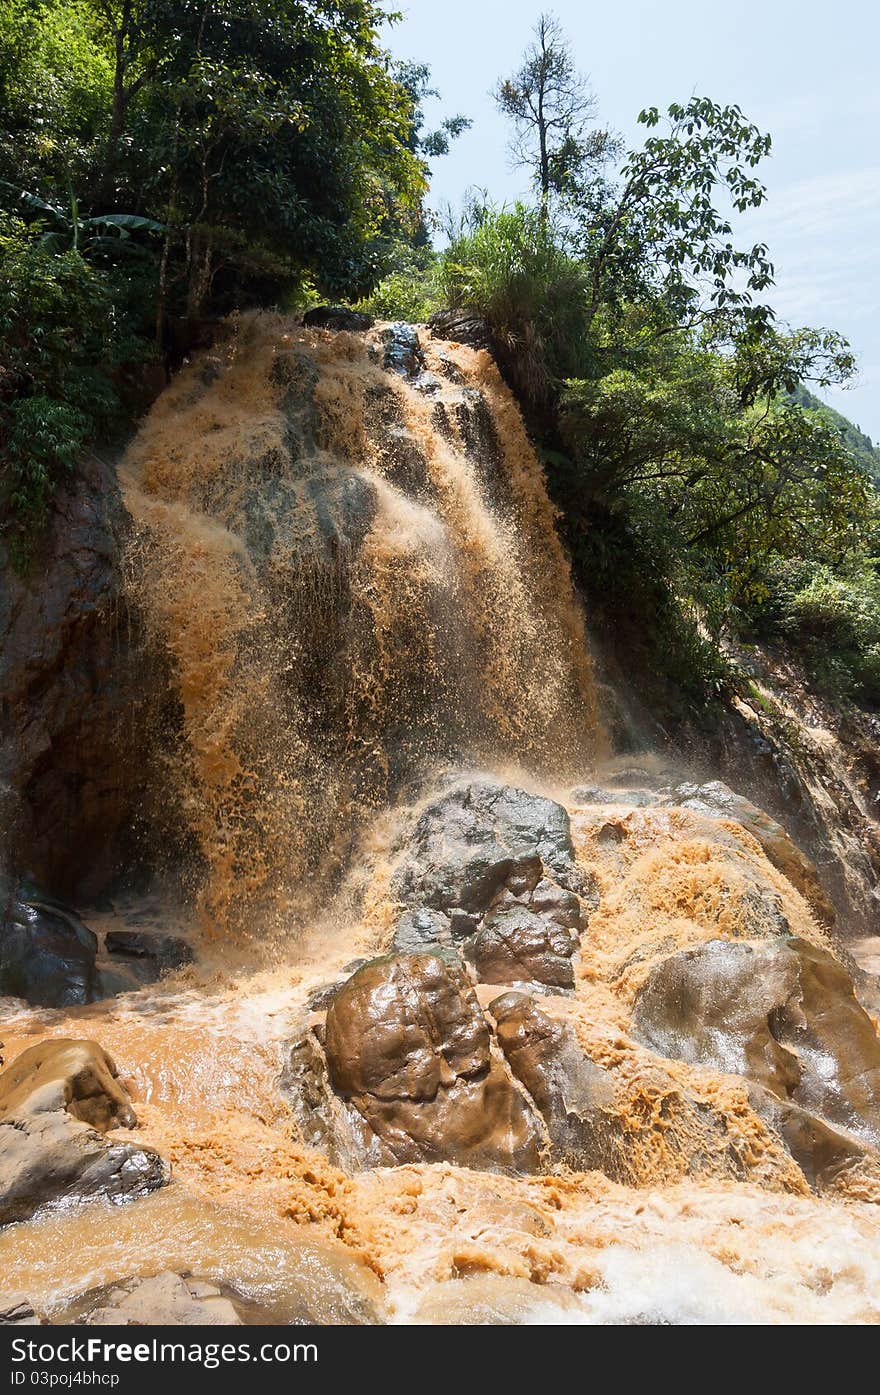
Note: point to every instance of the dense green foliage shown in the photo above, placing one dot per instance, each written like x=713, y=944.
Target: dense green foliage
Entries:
x=862, y=446
x=176, y=159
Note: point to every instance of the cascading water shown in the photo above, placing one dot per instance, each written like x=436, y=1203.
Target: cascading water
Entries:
x=344, y=558
x=345, y=547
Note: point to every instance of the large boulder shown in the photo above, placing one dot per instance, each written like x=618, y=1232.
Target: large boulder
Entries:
x=498, y=864
x=408, y=1046
x=515, y=945
x=57, y=1099
x=467, y=843
x=337, y=317
x=77, y=1076
x=401, y=350
x=47, y=954
x=781, y=1013
x=573, y=1094
x=423, y=931
x=569, y=1090
x=462, y=326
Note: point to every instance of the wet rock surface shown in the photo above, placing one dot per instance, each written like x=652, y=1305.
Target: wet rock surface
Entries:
x=134, y=958
x=423, y=931
x=495, y=1300
x=571, y=1092
x=326, y=1121
x=409, y=1047
x=782, y=1014
x=463, y=326
x=514, y=944
x=167, y=1299
x=401, y=351
x=498, y=864
x=18, y=1314
x=466, y=845
x=337, y=317
x=57, y=1100
x=720, y=801
x=47, y=954
x=74, y=690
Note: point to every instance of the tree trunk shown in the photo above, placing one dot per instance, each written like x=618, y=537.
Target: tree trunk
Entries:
x=200, y=272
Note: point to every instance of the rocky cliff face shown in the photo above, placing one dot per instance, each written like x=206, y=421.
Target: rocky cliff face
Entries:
x=71, y=697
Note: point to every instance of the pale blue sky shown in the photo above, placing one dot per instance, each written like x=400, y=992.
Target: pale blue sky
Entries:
x=807, y=72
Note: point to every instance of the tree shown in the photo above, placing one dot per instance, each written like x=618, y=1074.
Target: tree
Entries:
x=416, y=79
x=659, y=231
x=733, y=479
x=180, y=158
x=551, y=106
x=287, y=156
x=140, y=38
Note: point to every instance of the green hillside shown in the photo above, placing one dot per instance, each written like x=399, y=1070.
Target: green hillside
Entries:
x=861, y=445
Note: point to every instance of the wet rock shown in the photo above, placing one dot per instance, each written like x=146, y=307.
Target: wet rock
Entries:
x=820, y=1151
x=324, y=1120
x=75, y=690
x=77, y=1076
x=408, y=1046
x=720, y=801
x=470, y=841
x=596, y=794
x=515, y=945
x=166, y=952
x=496, y=1300
x=320, y=998
x=571, y=1091
x=56, y=1101
x=47, y=954
x=318, y=519
x=422, y=931
x=166, y=1299
x=462, y=326
x=640, y=776
x=337, y=317
x=401, y=351
x=19, y=1314
x=781, y=1013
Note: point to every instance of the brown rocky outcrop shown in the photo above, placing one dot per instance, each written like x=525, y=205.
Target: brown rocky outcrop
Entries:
x=71, y=706
x=721, y=801
x=572, y=1093
x=783, y=1014
x=514, y=944
x=409, y=1047
x=57, y=1099
x=166, y=1299
x=491, y=868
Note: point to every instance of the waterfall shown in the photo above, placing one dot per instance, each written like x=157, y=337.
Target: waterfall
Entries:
x=344, y=546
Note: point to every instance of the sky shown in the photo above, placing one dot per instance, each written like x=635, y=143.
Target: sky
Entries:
x=807, y=72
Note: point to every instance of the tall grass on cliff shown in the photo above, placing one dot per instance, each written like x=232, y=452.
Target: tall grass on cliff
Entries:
x=513, y=269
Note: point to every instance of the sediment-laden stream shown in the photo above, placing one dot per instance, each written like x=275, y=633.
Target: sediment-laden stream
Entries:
x=460, y=1019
